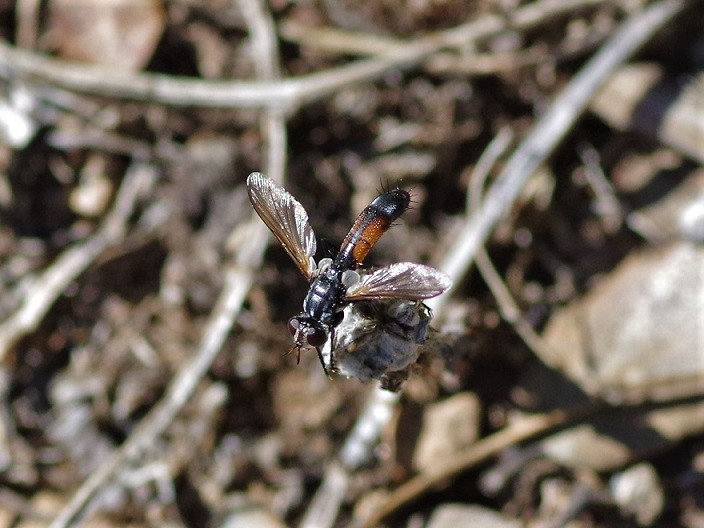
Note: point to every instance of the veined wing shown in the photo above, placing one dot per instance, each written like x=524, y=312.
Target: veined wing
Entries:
x=286, y=218
x=404, y=280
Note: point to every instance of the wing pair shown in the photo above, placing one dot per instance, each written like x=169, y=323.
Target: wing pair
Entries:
x=287, y=219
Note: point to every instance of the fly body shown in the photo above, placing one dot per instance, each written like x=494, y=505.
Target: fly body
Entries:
x=335, y=283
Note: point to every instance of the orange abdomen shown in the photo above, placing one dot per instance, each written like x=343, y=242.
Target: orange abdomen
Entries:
x=371, y=223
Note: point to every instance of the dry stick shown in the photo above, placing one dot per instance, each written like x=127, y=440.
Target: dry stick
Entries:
x=546, y=134
x=266, y=54
x=238, y=279
x=606, y=205
x=325, y=505
x=357, y=450
x=284, y=94
x=26, y=20
x=507, y=305
x=46, y=288
x=486, y=162
x=342, y=41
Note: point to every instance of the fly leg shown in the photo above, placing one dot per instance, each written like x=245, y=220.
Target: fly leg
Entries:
x=328, y=370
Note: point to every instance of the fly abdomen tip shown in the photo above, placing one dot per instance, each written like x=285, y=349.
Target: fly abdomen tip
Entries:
x=392, y=203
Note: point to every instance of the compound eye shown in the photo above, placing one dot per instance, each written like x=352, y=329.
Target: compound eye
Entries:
x=316, y=336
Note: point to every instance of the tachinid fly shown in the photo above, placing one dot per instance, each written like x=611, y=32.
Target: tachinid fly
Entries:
x=335, y=283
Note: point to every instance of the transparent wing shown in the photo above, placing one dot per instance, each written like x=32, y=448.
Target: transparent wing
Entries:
x=286, y=218
x=404, y=280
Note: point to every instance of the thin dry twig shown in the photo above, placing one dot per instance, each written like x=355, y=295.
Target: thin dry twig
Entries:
x=606, y=204
x=357, y=450
x=26, y=18
x=44, y=291
x=239, y=276
x=469, y=62
x=286, y=94
x=507, y=305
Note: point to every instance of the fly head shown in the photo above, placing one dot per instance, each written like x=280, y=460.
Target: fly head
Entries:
x=307, y=330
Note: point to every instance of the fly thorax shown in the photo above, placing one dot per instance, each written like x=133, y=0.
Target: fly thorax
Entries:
x=324, y=296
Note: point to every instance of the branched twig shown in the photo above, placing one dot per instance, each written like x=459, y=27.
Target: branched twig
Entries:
x=238, y=279
x=507, y=305
x=346, y=42
x=284, y=94
x=46, y=288
x=356, y=451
